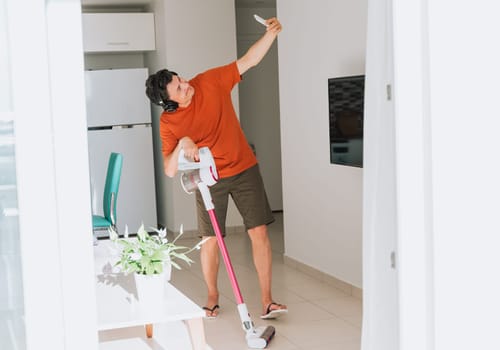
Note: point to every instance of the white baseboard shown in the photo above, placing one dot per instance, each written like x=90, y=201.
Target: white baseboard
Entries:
x=323, y=277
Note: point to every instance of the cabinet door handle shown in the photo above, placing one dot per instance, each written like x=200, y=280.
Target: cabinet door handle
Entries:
x=117, y=43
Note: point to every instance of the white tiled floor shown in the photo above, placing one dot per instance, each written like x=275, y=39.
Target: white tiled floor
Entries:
x=320, y=316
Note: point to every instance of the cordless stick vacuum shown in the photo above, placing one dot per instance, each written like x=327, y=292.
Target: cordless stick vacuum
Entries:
x=200, y=175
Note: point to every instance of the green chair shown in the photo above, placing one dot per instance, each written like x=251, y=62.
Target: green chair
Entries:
x=110, y=195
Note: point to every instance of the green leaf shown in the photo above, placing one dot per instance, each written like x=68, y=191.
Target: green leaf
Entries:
x=141, y=233
x=174, y=264
x=158, y=267
x=158, y=255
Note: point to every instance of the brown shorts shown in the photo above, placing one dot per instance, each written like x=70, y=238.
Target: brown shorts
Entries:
x=249, y=195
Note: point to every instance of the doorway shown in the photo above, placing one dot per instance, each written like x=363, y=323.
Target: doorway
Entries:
x=259, y=98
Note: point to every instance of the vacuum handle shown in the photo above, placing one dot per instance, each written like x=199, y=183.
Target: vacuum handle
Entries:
x=225, y=256
x=209, y=206
x=207, y=198
x=185, y=164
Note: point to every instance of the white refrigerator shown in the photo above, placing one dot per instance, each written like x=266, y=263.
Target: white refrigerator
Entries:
x=119, y=120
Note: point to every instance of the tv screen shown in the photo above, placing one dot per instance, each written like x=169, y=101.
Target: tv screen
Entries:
x=346, y=103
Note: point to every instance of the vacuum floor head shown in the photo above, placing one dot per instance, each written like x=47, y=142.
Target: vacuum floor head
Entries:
x=260, y=337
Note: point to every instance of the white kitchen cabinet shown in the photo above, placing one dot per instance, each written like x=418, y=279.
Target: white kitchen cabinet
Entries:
x=116, y=97
x=112, y=32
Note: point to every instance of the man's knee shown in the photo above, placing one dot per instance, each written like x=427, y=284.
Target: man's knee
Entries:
x=210, y=244
x=258, y=233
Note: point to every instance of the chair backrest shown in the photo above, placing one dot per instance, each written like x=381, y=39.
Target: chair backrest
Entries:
x=111, y=187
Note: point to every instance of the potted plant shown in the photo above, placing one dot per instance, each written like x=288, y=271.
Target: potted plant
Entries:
x=150, y=257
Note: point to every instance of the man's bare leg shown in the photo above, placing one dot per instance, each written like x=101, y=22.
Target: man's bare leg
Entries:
x=209, y=257
x=262, y=258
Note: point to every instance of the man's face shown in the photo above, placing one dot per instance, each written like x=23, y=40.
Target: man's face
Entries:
x=180, y=91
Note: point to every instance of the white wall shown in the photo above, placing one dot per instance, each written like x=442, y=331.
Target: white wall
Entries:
x=191, y=36
x=464, y=72
x=321, y=202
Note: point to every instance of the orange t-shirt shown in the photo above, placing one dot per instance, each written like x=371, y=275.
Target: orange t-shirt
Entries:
x=210, y=120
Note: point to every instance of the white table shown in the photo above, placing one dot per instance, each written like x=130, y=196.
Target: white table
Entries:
x=118, y=307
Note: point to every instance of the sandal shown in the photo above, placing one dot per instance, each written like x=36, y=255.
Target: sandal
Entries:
x=211, y=313
x=273, y=313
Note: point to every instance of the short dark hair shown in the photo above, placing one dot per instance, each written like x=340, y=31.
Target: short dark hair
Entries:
x=156, y=86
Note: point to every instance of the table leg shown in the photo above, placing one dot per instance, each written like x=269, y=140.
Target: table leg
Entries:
x=149, y=330
x=196, y=333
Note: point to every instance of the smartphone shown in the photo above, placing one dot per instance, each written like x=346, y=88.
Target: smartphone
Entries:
x=260, y=20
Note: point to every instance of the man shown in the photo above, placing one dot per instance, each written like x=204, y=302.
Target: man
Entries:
x=200, y=113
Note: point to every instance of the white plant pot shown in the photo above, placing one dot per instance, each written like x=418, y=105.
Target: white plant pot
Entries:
x=150, y=289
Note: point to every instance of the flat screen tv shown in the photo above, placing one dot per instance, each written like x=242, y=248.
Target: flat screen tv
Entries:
x=346, y=103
